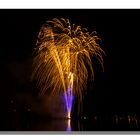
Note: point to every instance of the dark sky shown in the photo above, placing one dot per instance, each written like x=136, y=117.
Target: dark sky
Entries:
x=115, y=90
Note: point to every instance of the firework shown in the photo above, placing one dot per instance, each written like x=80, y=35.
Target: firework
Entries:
x=62, y=55
x=68, y=95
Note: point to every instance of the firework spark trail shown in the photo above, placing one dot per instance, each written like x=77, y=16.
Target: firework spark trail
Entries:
x=69, y=95
x=69, y=101
x=62, y=55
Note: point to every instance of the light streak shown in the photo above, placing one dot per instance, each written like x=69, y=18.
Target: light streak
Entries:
x=69, y=125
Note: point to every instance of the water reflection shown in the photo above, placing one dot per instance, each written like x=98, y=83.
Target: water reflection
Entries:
x=29, y=122
x=69, y=125
x=52, y=125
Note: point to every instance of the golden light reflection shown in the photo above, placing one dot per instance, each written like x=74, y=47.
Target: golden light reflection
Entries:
x=69, y=125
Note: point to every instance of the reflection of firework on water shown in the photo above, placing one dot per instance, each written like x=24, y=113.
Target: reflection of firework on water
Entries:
x=62, y=55
x=69, y=125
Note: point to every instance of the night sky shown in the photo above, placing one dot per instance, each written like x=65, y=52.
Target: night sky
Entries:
x=114, y=91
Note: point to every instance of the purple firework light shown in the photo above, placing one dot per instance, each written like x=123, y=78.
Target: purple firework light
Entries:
x=69, y=100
